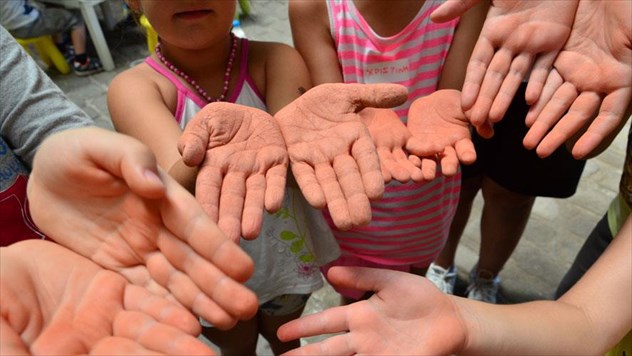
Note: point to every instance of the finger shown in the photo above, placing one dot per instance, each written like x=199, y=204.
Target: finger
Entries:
x=12, y=344
x=553, y=82
x=609, y=119
x=476, y=68
x=423, y=147
x=386, y=163
x=486, y=130
x=384, y=95
x=276, y=178
x=184, y=289
x=336, y=201
x=428, y=169
x=186, y=220
x=113, y=345
x=416, y=174
x=575, y=119
x=465, y=151
x=333, y=345
x=551, y=114
x=140, y=299
x=538, y=77
x=231, y=205
x=194, y=140
x=449, y=162
x=156, y=336
x=353, y=189
x=252, y=216
x=332, y=320
x=306, y=179
x=365, y=155
x=407, y=168
x=208, y=185
x=451, y=9
x=494, y=77
x=518, y=70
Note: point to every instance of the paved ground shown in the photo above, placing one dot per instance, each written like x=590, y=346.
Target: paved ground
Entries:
x=554, y=234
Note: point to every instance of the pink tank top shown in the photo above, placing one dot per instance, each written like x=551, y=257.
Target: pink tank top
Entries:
x=410, y=224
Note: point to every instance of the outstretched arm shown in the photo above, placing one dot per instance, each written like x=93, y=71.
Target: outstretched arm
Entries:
x=408, y=315
x=55, y=301
x=100, y=194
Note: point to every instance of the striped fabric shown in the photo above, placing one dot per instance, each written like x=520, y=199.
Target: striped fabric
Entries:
x=411, y=223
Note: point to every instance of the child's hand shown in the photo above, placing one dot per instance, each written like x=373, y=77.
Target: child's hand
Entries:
x=592, y=72
x=243, y=165
x=390, y=135
x=517, y=35
x=334, y=160
x=101, y=195
x=406, y=315
x=57, y=302
x=439, y=127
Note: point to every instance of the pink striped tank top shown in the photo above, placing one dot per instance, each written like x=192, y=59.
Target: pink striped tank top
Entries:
x=410, y=224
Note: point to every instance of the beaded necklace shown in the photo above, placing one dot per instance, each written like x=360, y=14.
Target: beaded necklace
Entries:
x=200, y=90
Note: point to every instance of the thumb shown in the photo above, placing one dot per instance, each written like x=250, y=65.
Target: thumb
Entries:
x=452, y=9
x=376, y=95
x=362, y=278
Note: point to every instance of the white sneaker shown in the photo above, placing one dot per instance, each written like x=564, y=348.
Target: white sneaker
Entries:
x=443, y=278
x=483, y=286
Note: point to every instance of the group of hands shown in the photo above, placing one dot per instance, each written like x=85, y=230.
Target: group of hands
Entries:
x=343, y=142
x=138, y=257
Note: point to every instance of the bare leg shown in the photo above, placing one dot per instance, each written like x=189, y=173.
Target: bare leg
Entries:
x=505, y=216
x=78, y=38
x=268, y=326
x=238, y=341
x=469, y=189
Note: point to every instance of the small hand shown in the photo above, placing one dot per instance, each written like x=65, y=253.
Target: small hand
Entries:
x=55, y=301
x=406, y=315
x=452, y=9
x=243, y=165
x=334, y=160
x=439, y=126
x=100, y=194
x=517, y=35
x=389, y=135
x=593, y=72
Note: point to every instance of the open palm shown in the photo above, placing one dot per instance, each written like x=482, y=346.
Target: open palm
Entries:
x=332, y=156
x=58, y=302
x=518, y=35
x=592, y=74
x=406, y=315
x=243, y=165
x=99, y=194
x=439, y=127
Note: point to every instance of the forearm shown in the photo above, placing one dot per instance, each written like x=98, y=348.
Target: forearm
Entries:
x=589, y=319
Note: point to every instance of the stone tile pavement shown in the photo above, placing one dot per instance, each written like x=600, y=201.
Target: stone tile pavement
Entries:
x=554, y=234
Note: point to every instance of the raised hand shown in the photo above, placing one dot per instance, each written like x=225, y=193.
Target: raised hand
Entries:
x=406, y=315
x=592, y=74
x=439, y=127
x=55, y=301
x=389, y=135
x=517, y=35
x=333, y=158
x=243, y=165
x=99, y=193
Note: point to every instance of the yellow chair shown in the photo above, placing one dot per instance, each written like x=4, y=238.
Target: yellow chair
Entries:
x=152, y=36
x=47, y=51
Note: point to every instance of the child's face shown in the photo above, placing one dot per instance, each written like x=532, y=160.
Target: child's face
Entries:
x=190, y=24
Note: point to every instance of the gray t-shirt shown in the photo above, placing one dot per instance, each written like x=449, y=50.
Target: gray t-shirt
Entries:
x=31, y=108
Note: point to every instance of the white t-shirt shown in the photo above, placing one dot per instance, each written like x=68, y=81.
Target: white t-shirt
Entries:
x=17, y=13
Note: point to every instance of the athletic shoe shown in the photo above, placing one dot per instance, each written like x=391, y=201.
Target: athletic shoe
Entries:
x=483, y=286
x=91, y=66
x=442, y=278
